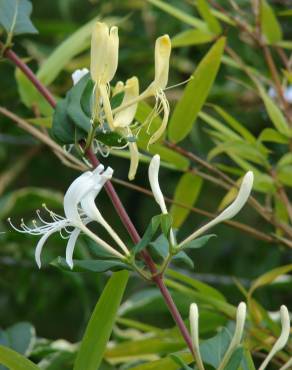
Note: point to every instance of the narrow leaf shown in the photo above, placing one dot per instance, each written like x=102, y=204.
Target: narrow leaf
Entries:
x=269, y=23
x=15, y=361
x=205, y=12
x=186, y=192
x=101, y=323
x=191, y=37
x=195, y=93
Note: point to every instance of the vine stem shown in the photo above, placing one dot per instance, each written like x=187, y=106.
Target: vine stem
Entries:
x=115, y=199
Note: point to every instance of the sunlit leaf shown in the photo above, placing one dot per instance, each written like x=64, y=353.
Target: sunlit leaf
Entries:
x=15, y=361
x=195, y=93
x=206, y=14
x=191, y=37
x=269, y=23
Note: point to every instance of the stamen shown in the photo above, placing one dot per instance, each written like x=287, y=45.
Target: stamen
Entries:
x=180, y=83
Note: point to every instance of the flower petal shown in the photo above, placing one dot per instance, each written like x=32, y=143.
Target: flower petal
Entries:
x=153, y=172
x=162, y=55
x=40, y=244
x=70, y=247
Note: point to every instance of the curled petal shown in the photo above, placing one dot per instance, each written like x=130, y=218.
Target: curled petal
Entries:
x=126, y=116
x=134, y=153
x=231, y=210
x=153, y=172
x=70, y=247
x=40, y=245
x=112, y=55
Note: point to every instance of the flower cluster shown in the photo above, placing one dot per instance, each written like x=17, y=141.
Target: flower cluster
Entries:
x=237, y=337
x=103, y=66
x=80, y=209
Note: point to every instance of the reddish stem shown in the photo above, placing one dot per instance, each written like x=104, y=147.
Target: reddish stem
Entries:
x=157, y=279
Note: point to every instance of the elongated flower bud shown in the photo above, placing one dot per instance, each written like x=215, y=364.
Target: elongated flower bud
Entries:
x=194, y=324
x=162, y=55
x=153, y=172
x=231, y=210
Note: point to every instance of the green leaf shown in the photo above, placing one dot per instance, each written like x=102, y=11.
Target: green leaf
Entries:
x=226, y=132
x=42, y=121
x=15, y=16
x=235, y=360
x=213, y=349
x=273, y=136
x=199, y=242
x=15, y=361
x=177, y=13
x=150, y=232
x=166, y=363
x=187, y=192
x=195, y=93
x=284, y=175
x=30, y=96
x=21, y=337
x=285, y=160
x=182, y=258
x=180, y=362
x=101, y=323
x=205, y=12
x=274, y=113
x=269, y=23
x=191, y=37
x=269, y=277
x=100, y=265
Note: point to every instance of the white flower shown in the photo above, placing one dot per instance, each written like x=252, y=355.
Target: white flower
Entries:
x=230, y=211
x=83, y=189
x=287, y=93
x=78, y=74
x=194, y=324
x=153, y=172
x=237, y=336
x=282, y=340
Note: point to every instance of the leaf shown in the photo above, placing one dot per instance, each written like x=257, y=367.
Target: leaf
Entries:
x=21, y=337
x=182, y=258
x=269, y=23
x=100, y=265
x=235, y=360
x=186, y=192
x=191, y=37
x=273, y=136
x=274, y=113
x=284, y=175
x=195, y=93
x=205, y=12
x=15, y=361
x=285, y=160
x=177, y=13
x=213, y=349
x=199, y=242
x=99, y=328
x=269, y=277
x=42, y=121
x=180, y=362
x=15, y=16
x=220, y=127
x=30, y=96
x=166, y=363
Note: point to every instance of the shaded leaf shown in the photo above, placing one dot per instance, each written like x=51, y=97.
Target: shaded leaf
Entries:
x=187, y=192
x=205, y=12
x=191, y=37
x=269, y=23
x=199, y=242
x=15, y=361
x=273, y=136
x=15, y=16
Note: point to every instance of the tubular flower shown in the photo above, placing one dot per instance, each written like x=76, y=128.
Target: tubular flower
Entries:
x=81, y=192
x=162, y=56
x=194, y=324
x=230, y=211
x=103, y=65
x=124, y=118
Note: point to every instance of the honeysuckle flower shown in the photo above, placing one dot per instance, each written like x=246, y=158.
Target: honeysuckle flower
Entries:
x=82, y=191
x=153, y=172
x=103, y=65
x=124, y=118
x=78, y=74
x=237, y=336
x=230, y=211
x=282, y=340
x=194, y=324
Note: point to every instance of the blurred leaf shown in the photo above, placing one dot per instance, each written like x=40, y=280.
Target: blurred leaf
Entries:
x=220, y=127
x=195, y=93
x=199, y=242
x=30, y=96
x=191, y=37
x=269, y=23
x=269, y=277
x=99, y=328
x=180, y=362
x=15, y=16
x=235, y=360
x=101, y=265
x=205, y=12
x=182, y=258
x=237, y=126
x=274, y=113
x=15, y=361
x=177, y=13
x=288, y=75
x=247, y=362
x=42, y=121
x=21, y=337
x=271, y=135
x=284, y=175
x=187, y=192
x=213, y=349
x=285, y=160
x=166, y=363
